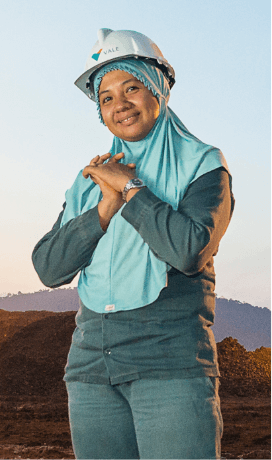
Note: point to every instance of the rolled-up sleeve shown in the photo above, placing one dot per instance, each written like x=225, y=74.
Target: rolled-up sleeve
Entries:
x=187, y=238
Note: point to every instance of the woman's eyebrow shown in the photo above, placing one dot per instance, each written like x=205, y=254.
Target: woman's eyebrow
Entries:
x=123, y=83
x=130, y=79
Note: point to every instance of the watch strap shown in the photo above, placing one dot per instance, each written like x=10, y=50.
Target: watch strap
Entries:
x=132, y=183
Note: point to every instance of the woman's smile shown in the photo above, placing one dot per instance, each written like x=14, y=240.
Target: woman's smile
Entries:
x=129, y=109
x=126, y=121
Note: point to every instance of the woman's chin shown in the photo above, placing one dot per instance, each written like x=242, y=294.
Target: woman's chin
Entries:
x=134, y=133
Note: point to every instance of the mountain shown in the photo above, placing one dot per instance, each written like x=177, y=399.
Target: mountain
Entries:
x=251, y=326
x=56, y=300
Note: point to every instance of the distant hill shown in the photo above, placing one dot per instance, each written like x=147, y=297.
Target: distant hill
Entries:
x=56, y=300
x=251, y=326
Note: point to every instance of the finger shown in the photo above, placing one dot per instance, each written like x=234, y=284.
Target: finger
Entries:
x=94, y=160
x=85, y=174
x=104, y=158
x=117, y=157
x=87, y=171
x=131, y=165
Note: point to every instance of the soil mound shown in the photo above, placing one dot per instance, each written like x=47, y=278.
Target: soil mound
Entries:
x=34, y=348
x=13, y=321
x=243, y=373
x=33, y=408
x=32, y=359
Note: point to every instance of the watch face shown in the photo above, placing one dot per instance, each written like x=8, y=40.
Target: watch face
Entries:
x=137, y=182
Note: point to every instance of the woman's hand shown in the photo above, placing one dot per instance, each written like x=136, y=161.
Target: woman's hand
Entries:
x=114, y=174
x=112, y=199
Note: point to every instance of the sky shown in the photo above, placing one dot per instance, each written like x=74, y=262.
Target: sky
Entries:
x=220, y=51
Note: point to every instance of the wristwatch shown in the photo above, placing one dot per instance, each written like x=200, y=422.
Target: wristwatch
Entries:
x=132, y=183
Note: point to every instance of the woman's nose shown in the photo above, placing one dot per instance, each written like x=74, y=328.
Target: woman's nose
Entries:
x=121, y=103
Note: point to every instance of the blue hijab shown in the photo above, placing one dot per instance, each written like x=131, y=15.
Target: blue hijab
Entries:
x=168, y=160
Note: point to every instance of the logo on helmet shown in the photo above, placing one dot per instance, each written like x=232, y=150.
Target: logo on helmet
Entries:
x=96, y=55
x=111, y=50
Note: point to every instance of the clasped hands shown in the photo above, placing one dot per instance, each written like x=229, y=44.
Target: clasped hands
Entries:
x=111, y=175
x=111, y=178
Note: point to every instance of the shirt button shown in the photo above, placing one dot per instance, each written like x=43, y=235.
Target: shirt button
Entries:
x=108, y=352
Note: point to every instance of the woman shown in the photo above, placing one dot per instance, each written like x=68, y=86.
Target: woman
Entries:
x=142, y=224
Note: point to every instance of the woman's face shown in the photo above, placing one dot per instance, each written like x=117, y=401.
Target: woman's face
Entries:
x=128, y=108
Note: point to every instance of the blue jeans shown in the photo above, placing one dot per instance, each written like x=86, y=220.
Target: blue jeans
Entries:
x=146, y=419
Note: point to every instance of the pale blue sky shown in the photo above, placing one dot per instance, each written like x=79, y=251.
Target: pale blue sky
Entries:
x=220, y=51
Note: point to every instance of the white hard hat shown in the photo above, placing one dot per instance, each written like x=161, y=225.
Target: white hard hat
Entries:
x=121, y=44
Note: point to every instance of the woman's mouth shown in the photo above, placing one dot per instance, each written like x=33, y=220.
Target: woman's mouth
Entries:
x=128, y=120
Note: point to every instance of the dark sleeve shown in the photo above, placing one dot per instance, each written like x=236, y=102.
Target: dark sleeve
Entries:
x=187, y=238
x=64, y=251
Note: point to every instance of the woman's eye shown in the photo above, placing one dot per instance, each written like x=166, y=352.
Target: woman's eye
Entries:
x=106, y=99
x=131, y=88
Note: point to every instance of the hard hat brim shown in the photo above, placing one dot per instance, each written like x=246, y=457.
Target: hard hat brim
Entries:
x=85, y=81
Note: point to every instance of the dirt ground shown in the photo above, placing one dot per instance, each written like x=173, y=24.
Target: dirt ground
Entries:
x=33, y=401
x=34, y=428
